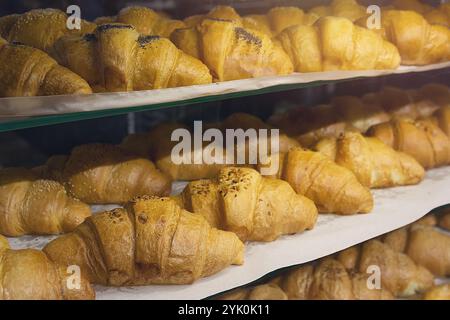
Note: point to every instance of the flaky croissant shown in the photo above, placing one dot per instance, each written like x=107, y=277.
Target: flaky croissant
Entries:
x=418, y=42
x=255, y=208
x=39, y=28
x=148, y=22
x=116, y=58
x=32, y=206
x=106, y=174
x=399, y=273
x=334, y=43
x=30, y=275
x=375, y=164
x=334, y=189
x=421, y=139
x=153, y=241
x=219, y=12
x=281, y=18
x=349, y=9
x=232, y=52
x=329, y=280
x=26, y=71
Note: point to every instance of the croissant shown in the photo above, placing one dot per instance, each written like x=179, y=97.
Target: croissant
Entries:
x=399, y=274
x=232, y=52
x=30, y=275
x=148, y=22
x=32, y=206
x=413, y=5
x=152, y=241
x=106, y=174
x=418, y=42
x=39, y=28
x=375, y=164
x=281, y=18
x=421, y=139
x=116, y=58
x=253, y=207
x=441, y=292
x=258, y=22
x=332, y=188
x=25, y=71
x=349, y=9
x=445, y=221
x=329, y=280
x=220, y=12
x=440, y=15
x=330, y=45
x=442, y=118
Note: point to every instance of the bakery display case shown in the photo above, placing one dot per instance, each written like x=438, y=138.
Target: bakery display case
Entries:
x=243, y=150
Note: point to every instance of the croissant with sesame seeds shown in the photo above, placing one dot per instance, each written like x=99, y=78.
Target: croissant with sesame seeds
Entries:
x=255, y=208
x=151, y=241
x=32, y=206
x=106, y=174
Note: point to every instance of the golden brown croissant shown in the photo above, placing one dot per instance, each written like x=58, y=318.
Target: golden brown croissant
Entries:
x=232, y=52
x=39, y=28
x=255, y=208
x=421, y=139
x=32, y=206
x=26, y=71
x=117, y=58
x=281, y=18
x=267, y=292
x=333, y=188
x=220, y=12
x=440, y=15
x=375, y=164
x=258, y=22
x=30, y=275
x=329, y=280
x=418, y=42
x=106, y=174
x=441, y=292
x=334, y=43
x=349, y=9
x=152, y=241
x=399, y=274
x=148, y=22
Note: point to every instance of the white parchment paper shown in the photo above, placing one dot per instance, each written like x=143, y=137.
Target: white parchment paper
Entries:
x=52, y=105
x=394, y=208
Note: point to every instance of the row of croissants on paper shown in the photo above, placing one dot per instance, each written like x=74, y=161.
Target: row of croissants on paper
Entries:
x=411, y=261
x=388, y=140
x=140, y=49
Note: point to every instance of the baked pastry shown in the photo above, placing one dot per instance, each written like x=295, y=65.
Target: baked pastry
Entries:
x=32, y=206
x=152, y=241
x=266, y=292
x=220, y=12
x=334, y=189
x=412, y=5
x=440, y=15
x=281, y=18
x=106, y=174
x=116, y=58
x=418, y=42
x=421, y=139
x=148, y=22
x=334, y=43
x=233, y=52
x=258, y=22
x=349, y=9
x=255, y=208
x=442, y=119
x=441, y=292
x=30, y=275
x=375, y=164
x=39, y=28
x=399, y=273
x=26, y=71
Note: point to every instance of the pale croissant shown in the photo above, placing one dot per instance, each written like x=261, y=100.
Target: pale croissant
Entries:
x=233, y=52
x=26, y=71
x=32, y=206
x=334, y=43
x=152, y=241
x=421, y=139
x=255, y=208
x=116, y=58
x=333, y=188
x=375, y=164
x=29, y=275
x=106, y=174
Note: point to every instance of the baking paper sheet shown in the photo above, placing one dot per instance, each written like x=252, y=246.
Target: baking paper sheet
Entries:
x=394, y=208
x=51, y=105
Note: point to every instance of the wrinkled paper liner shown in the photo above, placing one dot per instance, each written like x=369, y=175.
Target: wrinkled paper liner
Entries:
x=394, y=208
x=54, y=105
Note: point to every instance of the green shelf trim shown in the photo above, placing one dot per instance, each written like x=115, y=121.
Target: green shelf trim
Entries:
x=86, y=115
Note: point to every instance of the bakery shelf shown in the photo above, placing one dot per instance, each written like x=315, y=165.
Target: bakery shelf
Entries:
x=394, y=208
x=26, y=112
